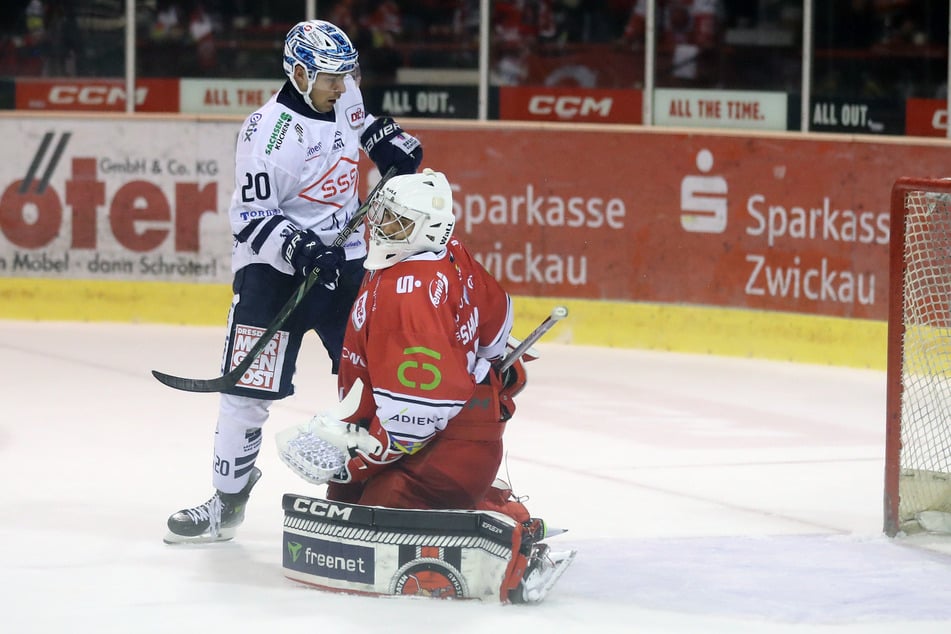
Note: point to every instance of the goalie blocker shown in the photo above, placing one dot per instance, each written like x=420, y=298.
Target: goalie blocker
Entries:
x=443, y=554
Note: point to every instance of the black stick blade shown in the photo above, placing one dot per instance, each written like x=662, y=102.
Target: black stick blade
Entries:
x=218, y=384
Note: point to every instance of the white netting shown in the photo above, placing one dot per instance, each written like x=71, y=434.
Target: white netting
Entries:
x=925, y=456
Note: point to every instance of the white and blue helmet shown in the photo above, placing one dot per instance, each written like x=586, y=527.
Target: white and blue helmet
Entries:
x=320, y=47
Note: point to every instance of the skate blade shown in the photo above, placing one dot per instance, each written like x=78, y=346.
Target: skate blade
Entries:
x=561, y=560
x=226, y=534
x=553, y=531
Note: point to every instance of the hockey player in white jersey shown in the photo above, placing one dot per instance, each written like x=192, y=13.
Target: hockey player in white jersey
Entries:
x=296, y=186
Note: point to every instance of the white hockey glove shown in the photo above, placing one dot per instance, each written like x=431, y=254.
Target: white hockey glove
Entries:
x=319, y=450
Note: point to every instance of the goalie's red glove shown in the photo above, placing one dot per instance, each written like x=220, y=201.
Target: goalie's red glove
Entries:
x=368, y=457
x=513, y=380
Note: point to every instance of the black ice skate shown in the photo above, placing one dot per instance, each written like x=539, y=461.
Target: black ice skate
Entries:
x=213, y=521
x=545, y=567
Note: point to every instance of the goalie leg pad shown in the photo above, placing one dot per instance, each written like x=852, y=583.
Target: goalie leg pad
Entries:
x=391, y=552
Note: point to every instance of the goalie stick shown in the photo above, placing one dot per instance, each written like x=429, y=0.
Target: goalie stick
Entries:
x=557, y=314
x=231, y=378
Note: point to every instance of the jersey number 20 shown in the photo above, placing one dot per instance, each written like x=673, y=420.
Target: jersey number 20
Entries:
x=256, y=187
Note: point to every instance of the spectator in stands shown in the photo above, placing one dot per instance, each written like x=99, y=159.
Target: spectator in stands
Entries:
x=694, y=22
x=688, y=32
x=168, y=22
x=381, y=28
x=201, y=31
x=65, y=40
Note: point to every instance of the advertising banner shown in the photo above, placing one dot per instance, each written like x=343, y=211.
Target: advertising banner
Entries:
x=776, y=222
x=926, y=117
x=857, y=116
x=575, y=105
x=117, y=200
x=226, y=96
x=720, y=109
x=770, y=221
x=95, y=95
x=407, y=100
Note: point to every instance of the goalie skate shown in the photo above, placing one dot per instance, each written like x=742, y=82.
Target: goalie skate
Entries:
x=545, y=567
x=214, y=521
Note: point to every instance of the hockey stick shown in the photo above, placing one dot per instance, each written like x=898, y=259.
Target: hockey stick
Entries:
x=230, y=379
x=557, y=314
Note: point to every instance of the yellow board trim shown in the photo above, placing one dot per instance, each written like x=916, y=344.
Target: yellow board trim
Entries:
x=689, y=329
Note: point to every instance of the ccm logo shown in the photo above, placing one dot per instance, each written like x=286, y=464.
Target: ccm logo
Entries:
x=321, y=509
x=568, y=106
x=940, y=120
x=93, y=95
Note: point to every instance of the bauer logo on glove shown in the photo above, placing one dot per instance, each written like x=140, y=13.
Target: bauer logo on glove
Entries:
x=388, y=145
x=304, y=251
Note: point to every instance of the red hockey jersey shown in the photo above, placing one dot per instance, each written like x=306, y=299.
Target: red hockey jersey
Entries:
x=418, y=331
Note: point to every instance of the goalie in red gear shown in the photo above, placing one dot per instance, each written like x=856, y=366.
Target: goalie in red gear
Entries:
x=424, y=404
x=423, y=333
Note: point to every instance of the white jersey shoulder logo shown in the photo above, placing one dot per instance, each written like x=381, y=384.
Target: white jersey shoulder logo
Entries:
x=278, y=133
x=252, y=126
x=355, y=115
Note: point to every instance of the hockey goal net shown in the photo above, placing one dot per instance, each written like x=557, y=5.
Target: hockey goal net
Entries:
x=918, y=401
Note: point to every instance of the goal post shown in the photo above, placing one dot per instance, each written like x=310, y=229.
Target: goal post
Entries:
x=918, y=393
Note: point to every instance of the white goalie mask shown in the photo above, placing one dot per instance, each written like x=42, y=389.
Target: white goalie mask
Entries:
x=410, y=214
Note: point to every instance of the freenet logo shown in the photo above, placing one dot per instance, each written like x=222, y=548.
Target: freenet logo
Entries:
x=703, y=201
x=330, y=559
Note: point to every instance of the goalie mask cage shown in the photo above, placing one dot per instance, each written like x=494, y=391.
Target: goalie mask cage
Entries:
x=918, y=396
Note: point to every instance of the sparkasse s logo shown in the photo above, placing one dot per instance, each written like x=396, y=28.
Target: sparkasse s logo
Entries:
x=703, y=198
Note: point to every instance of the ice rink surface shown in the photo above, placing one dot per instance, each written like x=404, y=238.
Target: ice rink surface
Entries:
x=703, y=494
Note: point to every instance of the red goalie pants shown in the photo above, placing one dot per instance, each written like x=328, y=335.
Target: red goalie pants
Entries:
x=446, y=474
x=454, y=471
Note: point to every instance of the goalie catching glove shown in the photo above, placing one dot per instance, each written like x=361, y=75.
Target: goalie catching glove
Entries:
x=329, y=450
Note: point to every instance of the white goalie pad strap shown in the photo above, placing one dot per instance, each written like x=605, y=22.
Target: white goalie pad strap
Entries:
x=392, y=552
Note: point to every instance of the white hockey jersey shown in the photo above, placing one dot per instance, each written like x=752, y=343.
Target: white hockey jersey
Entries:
x=295, y=167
